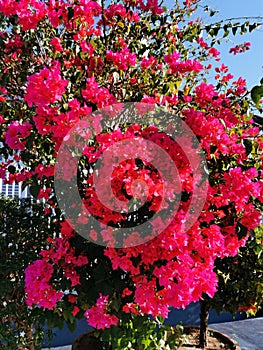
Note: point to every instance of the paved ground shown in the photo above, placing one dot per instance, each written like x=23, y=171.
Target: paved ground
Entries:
x=248, y=333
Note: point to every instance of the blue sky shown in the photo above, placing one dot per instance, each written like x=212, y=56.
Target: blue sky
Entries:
x=248, y=64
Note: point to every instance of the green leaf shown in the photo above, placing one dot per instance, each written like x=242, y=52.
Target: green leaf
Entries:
x=241, y=231
x=11, y=169
x=215, y=31
x=212, y=13
x=70, y=13
x=54, y=321
x=207, y=28
x=160, y=319
x=234, y=30
x=71, y=326
x=252, y=27
x=34, y=190
x=226, y=26
x=212, y=32
x=257, y=94
x=248, y=145
x=226, y=33
x=243, y=29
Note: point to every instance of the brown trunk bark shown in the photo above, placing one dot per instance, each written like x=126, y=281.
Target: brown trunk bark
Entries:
x=86, y=341
x=204, y=312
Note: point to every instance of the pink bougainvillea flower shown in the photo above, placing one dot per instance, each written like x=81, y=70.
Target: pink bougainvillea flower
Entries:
x=122, y=59
x=98, y=316
x=204, y=93
x=2, y=119
x=240, y=48
x=75, y=311
x=99, y=96
x=56, y=43
x=38, y=287
x=45, y=87
x=16, y=135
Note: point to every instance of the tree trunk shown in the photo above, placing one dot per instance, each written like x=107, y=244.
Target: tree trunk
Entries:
x=204, y=312
x=87, y=341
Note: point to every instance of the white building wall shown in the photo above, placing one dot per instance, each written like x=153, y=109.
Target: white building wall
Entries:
x=13, y=190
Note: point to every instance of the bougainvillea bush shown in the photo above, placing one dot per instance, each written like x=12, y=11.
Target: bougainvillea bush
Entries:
x=61, y=61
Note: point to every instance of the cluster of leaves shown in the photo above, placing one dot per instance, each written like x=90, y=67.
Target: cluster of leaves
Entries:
x=145, y=334
x=24, y=229
x=257, y=94
x=241, y=278
x=227, y=27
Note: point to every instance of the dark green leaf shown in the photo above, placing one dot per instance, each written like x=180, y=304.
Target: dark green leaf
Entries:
x=257, y=94
x=71, y=326
x=34, y=190
x=11, y=169
x=234, y=30
x=212, y=13
x=241, y=231
x=248, y=145
x=226, y=26
x=243, y=29
x=216, y=30
x=70, y=13
x=226, y=33
x=252, y=27
x=207, y=28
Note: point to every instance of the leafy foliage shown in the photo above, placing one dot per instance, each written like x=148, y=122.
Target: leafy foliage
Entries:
x=241, y=278
x=257, y=94
x=24, y=229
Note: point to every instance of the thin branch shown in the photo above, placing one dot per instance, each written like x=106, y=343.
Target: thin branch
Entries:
x=242, y=17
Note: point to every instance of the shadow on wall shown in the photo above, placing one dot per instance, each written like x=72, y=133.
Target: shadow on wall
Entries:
x=189, y=316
